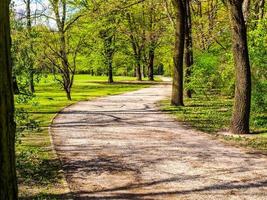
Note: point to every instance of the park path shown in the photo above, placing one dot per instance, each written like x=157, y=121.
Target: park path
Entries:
x=123, y=147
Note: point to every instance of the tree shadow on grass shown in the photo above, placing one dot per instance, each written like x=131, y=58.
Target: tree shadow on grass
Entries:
x=34, y=170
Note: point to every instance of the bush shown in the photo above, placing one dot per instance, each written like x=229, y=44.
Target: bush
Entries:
x=205, y=75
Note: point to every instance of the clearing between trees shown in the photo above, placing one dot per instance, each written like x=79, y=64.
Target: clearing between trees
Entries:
x=124, y=147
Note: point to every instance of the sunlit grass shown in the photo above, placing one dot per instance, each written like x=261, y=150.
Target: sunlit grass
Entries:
x=212, y=114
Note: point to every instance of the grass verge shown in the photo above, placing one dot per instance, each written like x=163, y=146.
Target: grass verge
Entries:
x=212, y=114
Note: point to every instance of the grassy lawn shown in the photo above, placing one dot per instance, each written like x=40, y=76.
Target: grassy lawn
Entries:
x=212, y=114
x=39, y=171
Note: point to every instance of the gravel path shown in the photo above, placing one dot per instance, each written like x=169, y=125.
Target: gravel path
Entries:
x=123, y=147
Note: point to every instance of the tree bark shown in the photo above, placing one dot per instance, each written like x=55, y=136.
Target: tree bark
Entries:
x=15, y=85
x=151, y=65
x=188, y=46
x=68, y=93
x=242, y=101
x=177, y=86
x=110, y=73
x=8, y=180
x=259, y=9
x=138, y=71
x=245, y=9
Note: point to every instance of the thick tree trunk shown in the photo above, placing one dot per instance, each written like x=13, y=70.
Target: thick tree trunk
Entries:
x=29, y=29
x=177, y=86
x=188, y=47
x=241, y=110
x=151, y=65
x=8, y=180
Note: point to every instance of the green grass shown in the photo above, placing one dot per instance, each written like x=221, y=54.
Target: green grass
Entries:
x=39, y=171
x=212, y=114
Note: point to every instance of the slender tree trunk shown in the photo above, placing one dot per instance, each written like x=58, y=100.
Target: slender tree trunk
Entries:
x=245, y=9
x=138, y=71
x=15, y=85
x=241, y=110
x=68, y=93
x=144, y=70
x=259, y=9
x=188, y=47
x=110, y=73
x=29, y=29
x=31, y=86
x=151, y=65
x=177, y=86
x=8, y=180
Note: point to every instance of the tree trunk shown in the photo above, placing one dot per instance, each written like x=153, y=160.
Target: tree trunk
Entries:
x=68, y=95
x=31, y=86
x=138, y=71
x=241, y=110
x=144, y=70
x=259, y=9
x=110, y=73
x=151, y=65
x=29, y=29
x=245, y=9
x=188, y=47
x=15, y=85
x=8, y=180
x=177, y=86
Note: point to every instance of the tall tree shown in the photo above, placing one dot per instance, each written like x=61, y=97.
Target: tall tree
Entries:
x=188, y=46
x=8, y=180
x=30, y=50
x=137, y=42
x=108, y=37
x=60, y=50
x=155, y=28
x=177, y=86
x=241, y=110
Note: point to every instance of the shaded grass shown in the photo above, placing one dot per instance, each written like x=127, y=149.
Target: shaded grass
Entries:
x=212, y=114
x=39, y=170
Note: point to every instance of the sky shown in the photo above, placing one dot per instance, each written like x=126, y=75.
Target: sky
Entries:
x=37, y=7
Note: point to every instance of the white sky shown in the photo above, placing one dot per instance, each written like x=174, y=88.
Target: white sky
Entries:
x=37, y=7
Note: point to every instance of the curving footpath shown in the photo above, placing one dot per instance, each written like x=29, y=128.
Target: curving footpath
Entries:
x=123, y=147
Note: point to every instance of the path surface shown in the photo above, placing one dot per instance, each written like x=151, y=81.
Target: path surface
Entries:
x=122, y=147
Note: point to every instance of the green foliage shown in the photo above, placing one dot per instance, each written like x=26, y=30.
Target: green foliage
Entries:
x=206, y=75
x=258, y=57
